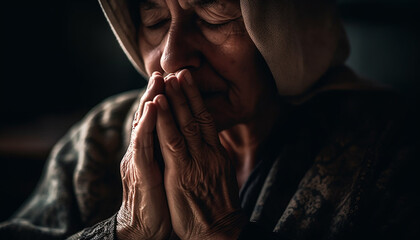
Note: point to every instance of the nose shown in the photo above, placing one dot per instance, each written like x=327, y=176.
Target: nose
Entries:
x=180, y=49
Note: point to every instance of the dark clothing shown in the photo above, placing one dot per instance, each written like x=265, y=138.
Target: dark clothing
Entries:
x=344, y=165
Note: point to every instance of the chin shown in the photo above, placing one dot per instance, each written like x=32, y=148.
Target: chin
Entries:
x=223, y=114
x=222, y=119
x=223, y=124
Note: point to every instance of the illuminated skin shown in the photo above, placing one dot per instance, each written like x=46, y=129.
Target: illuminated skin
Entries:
x=224, y=62
x=211, y=100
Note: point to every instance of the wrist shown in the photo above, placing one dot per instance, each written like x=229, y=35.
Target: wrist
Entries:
x=123, y=230
x=127, y=228
x=230, y=227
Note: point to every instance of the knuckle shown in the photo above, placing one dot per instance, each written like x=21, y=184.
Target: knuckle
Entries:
x=141, y=139
x=136, y=119
x=184, y=104
x=191, y=129
x=204, y=117
x=176, y=144
x=135, y=139
x=147, y=96
x=144, y=98
x=196, y=98
x=124, y=165
x=193, y=183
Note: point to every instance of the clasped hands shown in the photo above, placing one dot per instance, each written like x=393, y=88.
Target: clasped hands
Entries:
x=197, y=194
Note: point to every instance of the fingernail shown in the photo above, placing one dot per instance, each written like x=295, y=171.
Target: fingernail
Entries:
x=175, y=84
x=168, y=76
x=163, y=103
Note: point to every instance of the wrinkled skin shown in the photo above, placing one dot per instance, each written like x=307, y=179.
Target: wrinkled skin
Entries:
x=144, y=211
x=200, y=179
x=206, y=80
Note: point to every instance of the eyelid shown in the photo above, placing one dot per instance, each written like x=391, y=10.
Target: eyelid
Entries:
x=157, y=24
x=219, y=22
x=154, y=16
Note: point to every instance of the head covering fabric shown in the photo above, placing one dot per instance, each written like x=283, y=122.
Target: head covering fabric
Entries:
x=299, y=40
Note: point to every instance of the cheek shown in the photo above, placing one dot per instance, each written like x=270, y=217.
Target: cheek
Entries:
x=248, y=75
x=151, y=57
x=239, y=64
x=231, y=60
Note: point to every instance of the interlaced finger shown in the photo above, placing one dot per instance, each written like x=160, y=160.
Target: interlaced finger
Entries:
x=155, y=86
x=172, y=143
x=182, y=113
x=202, y=116
x=146, y=166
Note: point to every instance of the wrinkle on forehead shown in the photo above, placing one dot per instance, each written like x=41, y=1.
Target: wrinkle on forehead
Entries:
x=185, y=4
x=151, y=4
x=203, y=3
x=214, y=8
x=222, y=11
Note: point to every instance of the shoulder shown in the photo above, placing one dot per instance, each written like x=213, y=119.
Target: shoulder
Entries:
x=375, y=113
x=367, y=156
x=113, y=108
x=102, y=131
x=107, y=125
x=111, y=113
x=101, y=141
x=372, y=134
x=381, y=124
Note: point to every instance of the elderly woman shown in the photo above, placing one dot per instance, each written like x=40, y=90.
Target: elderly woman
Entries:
x=251, y=127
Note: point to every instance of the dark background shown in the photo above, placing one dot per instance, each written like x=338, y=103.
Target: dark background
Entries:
x=60, y=58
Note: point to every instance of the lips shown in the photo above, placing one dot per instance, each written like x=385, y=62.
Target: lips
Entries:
x=210, y=85
x=211, y=94
x=211, y=90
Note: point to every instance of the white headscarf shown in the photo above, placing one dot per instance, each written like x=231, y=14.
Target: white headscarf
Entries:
x=299, y=40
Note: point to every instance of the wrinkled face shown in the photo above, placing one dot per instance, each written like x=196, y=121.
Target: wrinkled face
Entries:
x=208, y=38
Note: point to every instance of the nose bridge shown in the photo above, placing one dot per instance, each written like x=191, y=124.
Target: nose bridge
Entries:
x=180, y=49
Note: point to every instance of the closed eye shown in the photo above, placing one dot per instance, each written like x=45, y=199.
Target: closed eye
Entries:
x=213, y=26
x=158, y=25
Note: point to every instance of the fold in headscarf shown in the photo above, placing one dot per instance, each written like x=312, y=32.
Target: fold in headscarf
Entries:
x=299, y=40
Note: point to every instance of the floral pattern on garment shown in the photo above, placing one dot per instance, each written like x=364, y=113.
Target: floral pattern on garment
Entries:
x=341, y=167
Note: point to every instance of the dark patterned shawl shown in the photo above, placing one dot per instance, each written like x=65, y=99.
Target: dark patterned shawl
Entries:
x=343, y=166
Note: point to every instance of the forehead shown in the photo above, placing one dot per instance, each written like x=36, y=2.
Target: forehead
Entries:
x=183, y=3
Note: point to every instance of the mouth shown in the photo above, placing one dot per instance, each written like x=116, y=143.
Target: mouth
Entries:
x=207, y=95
